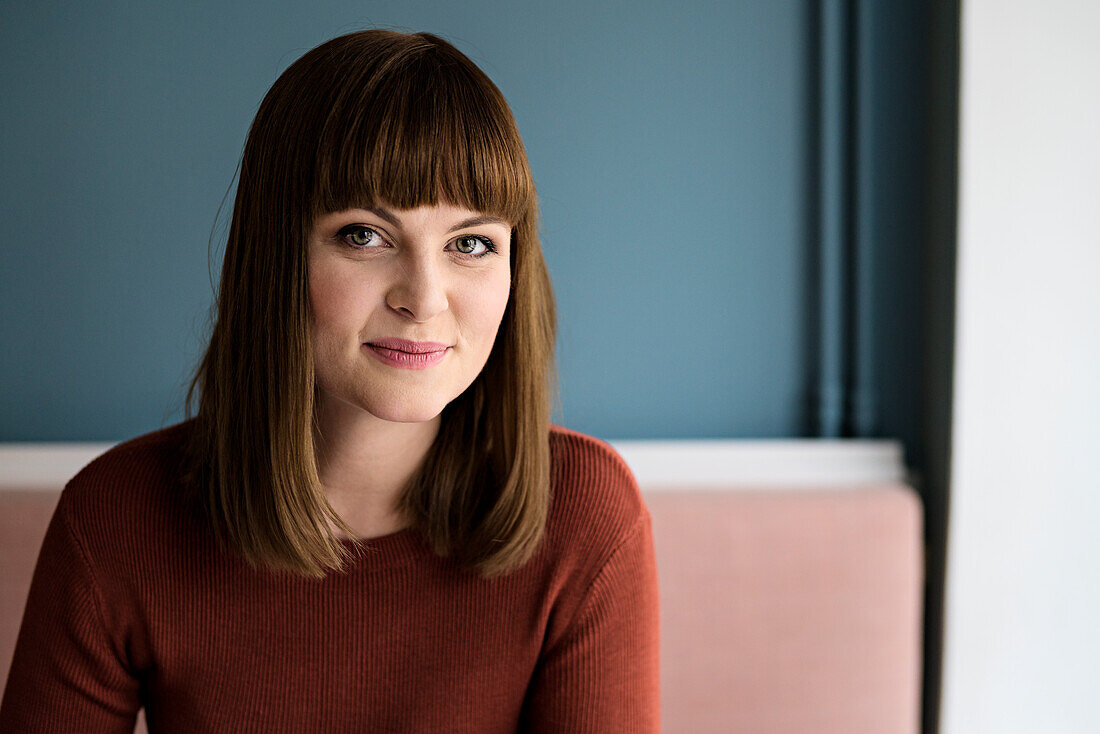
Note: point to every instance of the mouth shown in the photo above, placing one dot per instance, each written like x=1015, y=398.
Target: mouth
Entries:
x=404, y=351
x=406, y=346
x=406, y=360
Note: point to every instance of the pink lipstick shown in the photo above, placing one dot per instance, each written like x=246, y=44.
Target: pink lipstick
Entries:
x=408, y=360
x=404, y=345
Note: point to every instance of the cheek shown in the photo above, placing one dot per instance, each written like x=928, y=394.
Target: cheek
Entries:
x=477, y=308
x=332, y=300
x=501, y=300
x=493, y=302
x=322, y=304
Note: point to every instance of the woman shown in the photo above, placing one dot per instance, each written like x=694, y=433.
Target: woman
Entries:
x=349, y=536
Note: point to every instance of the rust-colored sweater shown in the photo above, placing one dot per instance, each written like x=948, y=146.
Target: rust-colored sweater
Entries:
x=133, y=606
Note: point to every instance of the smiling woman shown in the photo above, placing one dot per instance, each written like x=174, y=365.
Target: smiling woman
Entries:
x=364, y=157
x=369, y=523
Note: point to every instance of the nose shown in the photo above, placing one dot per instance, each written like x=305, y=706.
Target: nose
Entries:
x=419, y=290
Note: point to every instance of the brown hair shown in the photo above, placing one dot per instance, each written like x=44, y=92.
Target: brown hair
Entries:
x=365, y=118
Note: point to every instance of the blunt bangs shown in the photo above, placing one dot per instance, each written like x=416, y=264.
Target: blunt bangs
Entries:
x=428, y=127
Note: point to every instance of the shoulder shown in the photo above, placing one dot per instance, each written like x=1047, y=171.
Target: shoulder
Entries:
x=126, y=494
x=596, y=502
x=597, y=464
x=128, y=466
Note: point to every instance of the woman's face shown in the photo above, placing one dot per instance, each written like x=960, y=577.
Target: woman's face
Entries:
x=412, y=274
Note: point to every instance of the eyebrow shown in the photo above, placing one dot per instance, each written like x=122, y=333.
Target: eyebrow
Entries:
x=471, y=222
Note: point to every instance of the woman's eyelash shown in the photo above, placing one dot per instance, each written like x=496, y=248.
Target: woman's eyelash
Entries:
x=344, y=232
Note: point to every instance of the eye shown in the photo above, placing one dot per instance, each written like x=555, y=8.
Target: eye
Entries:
x=360, y=237
x=473, y=240
x=357, y=236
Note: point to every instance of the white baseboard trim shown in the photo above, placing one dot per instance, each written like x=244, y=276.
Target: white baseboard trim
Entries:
x=44, y=465
x=691, y=464
x=768, y=463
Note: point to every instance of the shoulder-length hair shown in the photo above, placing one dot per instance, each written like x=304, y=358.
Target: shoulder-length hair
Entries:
x=371, y=117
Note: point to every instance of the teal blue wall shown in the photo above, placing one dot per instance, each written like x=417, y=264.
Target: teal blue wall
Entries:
x=677, y=152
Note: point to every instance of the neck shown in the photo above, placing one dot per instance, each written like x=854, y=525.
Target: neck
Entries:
x=365, y=462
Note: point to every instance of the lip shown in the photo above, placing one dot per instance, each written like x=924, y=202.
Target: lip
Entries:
x=405, y=360
x=404, y=345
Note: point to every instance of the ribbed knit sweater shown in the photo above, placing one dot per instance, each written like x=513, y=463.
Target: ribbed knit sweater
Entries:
x=133, y=605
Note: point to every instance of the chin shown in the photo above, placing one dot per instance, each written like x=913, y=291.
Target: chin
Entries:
x=405, y=417
x=410, y=411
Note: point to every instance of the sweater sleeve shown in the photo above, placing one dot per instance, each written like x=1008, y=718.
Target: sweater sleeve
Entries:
x=67, y=673
x=603, y=674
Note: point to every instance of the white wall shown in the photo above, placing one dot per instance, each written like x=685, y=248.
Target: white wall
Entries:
x=1022, y=627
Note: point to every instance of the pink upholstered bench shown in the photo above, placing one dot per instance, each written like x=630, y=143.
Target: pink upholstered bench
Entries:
x=782, y=611
x=790, y=610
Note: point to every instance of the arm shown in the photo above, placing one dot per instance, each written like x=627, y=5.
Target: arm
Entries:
x=602, y=675
x=68, y=673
